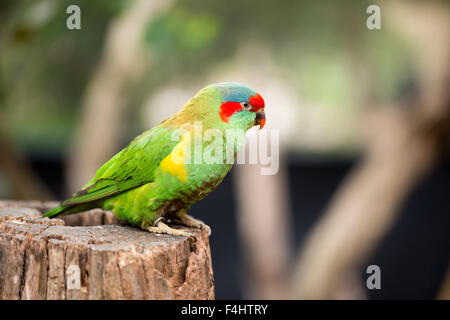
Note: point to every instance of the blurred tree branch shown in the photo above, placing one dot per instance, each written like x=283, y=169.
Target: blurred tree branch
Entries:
x=407, y=144
x=97, y=137
x=264, y=229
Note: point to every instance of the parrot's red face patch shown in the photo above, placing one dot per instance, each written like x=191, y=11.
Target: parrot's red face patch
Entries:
x=227, y=109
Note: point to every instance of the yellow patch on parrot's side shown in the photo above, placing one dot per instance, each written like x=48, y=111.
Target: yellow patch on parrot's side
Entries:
x=174, y=162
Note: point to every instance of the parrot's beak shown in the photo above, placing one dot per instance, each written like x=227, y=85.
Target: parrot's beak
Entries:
x=260, y=119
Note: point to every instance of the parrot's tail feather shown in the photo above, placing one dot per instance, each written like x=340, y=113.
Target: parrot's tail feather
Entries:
x=54, y=212
x=69, y=209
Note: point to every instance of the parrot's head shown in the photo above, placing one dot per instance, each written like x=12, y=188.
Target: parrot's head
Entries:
x=238, y=103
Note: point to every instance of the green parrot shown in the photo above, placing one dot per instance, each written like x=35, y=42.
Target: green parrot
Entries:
x=158, y=177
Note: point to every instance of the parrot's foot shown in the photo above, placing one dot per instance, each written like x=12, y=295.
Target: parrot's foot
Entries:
x=190, y=221
x=162, y=228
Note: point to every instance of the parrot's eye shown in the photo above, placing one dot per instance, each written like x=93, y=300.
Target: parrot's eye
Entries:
x=246, y=105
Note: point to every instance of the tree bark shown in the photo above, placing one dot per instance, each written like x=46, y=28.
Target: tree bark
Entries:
x=43, y=258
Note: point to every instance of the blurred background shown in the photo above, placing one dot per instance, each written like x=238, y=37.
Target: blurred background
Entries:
x=363, y=115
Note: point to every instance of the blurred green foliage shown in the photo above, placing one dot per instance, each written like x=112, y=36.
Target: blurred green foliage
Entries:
x=45, y=67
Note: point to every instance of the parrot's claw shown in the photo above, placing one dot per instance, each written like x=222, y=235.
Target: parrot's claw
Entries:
x=162, y=228
x=190, y=221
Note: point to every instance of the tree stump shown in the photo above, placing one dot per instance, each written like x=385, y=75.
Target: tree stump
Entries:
x=92, y=255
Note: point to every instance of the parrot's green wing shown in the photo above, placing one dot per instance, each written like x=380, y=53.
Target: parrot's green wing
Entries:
x=132, y=167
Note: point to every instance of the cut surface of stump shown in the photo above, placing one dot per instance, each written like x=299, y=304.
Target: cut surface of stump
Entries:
x=93, y=255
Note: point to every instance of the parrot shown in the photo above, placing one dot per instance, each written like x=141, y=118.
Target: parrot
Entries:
x=150, y=184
